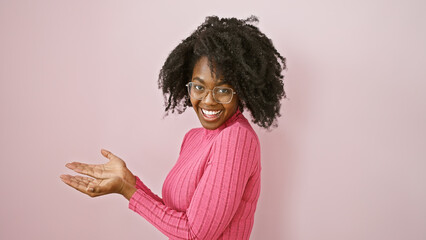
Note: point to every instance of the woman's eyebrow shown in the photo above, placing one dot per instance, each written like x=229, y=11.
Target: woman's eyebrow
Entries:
x=198, y=79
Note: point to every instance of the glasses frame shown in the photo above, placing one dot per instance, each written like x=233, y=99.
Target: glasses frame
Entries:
x=188, y=85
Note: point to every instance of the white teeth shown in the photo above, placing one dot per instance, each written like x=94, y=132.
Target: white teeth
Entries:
x=210, y=112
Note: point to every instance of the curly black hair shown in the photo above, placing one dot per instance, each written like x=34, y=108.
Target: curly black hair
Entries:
x=241, y=54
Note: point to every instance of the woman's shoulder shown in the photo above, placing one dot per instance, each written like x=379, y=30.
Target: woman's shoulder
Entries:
x=240, y=130
x=241, y=141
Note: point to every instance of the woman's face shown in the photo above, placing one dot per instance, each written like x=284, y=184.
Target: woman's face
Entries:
x=218, y=112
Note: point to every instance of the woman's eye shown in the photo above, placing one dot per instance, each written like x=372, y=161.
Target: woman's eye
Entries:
x=198, y=87
x=223, y=91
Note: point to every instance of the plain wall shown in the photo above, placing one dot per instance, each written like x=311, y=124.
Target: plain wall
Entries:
x=346, y=162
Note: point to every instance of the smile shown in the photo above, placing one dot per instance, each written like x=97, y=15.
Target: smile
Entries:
x=211, y=115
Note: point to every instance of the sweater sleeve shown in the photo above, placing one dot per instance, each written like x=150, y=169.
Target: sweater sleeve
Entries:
x=140, y=185
x=234, y=157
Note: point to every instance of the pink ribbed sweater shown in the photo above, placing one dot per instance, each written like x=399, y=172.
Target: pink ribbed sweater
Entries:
x=212, y=191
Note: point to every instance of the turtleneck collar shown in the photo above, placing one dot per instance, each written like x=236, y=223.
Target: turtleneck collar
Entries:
x=230, y=121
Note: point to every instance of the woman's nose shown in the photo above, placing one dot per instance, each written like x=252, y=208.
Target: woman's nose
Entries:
x=208, y=99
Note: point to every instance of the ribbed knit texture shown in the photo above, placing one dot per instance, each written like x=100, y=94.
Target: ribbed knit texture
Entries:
x=212, y=191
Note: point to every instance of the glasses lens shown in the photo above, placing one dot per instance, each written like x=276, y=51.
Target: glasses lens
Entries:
x=197, y=91
x=222, y=94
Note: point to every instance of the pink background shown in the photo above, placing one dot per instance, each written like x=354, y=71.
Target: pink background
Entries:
x=348, y=160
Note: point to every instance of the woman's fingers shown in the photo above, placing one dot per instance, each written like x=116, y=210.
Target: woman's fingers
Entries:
x=109, y=155
x=91, y=170
x=101, y=171
x=88, y=186
x=85, y=180
x=77, y=183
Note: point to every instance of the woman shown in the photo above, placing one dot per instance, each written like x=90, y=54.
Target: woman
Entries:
x=224, y=67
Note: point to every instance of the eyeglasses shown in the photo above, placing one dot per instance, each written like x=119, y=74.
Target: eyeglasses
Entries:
x=220, y=94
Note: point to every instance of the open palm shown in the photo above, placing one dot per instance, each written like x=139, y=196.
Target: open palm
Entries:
x=106, y=178
x=92, y=186
x=115, y=167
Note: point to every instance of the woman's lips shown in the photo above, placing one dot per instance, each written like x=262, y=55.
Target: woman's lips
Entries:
x=211, y=115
